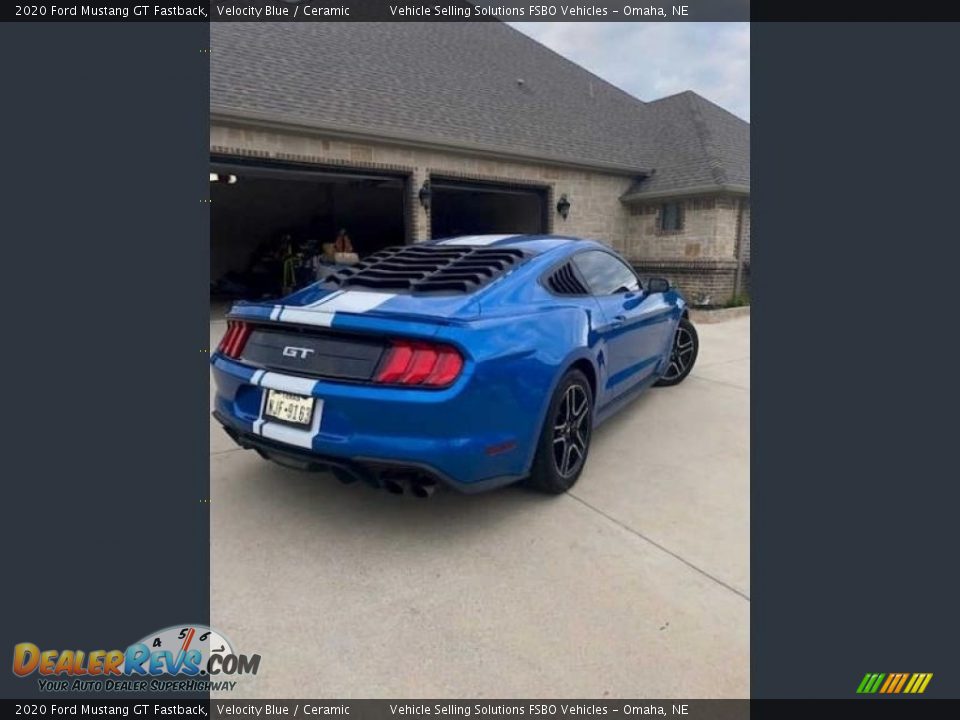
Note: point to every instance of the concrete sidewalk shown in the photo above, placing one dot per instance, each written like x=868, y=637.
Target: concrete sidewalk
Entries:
x=636, y=584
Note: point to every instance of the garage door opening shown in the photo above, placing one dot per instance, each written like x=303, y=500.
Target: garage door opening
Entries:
x=263, y=213
x=479, y=208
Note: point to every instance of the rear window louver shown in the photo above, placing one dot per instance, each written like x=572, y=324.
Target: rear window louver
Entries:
x=428, y=269
x=564, y=281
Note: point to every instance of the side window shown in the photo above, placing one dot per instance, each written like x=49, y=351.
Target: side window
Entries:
x=671, y=217
x=605, y=274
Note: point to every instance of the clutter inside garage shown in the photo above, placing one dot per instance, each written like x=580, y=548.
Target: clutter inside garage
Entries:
x=276, y=228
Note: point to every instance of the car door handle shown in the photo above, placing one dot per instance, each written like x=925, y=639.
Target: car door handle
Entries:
x=619, y=320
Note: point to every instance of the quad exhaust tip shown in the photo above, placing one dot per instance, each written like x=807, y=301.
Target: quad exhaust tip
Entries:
x=393, y=487
x=422, y=489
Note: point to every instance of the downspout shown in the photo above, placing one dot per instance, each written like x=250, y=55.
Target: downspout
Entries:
x=738, y=249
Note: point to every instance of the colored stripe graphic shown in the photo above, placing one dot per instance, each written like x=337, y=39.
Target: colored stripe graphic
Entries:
x=918, y=683
x=891, y=679
x=903, y=680
x=894, y=683
x=870, y=683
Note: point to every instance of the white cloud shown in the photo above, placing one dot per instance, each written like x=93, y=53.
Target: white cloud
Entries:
x=652, y=60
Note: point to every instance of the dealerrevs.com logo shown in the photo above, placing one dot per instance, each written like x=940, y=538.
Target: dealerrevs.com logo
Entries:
x=180, y=658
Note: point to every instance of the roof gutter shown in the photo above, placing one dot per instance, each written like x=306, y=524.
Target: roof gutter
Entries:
x=268, y=121
x=725, y=188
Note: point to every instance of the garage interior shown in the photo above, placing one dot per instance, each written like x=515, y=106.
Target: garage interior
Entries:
x=256, y=206
x=476, y=208
x=259, y=206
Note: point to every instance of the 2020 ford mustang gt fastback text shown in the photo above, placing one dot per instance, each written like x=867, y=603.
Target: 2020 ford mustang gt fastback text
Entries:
x=472, y=362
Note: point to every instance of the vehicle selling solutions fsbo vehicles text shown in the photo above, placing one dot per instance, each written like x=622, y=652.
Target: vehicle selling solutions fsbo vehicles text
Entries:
x=499, y=11
x=534, y=11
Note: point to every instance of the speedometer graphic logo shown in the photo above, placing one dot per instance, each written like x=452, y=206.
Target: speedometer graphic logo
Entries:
x=188, y=649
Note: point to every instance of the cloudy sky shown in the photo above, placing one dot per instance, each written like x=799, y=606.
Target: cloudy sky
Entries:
x=651, y=60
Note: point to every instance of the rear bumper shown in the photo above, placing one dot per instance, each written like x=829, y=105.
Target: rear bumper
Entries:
x=375, y=472
x=476, y=435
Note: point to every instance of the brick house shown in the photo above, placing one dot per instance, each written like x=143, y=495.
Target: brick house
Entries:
x=406, y=131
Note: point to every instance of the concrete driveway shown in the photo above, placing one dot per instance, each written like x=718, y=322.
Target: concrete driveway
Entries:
x=634, y=585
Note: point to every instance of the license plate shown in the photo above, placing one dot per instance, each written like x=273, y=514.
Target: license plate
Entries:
x=289, y=408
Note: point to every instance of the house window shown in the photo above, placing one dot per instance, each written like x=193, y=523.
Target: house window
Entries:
x=671, y=217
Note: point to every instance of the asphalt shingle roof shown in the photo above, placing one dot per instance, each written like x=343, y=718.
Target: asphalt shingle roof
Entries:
x=694, y=143
x=459, y=84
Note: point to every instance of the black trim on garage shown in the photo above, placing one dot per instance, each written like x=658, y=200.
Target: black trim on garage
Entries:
x=285, y=169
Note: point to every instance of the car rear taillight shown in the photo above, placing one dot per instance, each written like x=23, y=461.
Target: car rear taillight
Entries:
x=417, y=363
x=237, y=334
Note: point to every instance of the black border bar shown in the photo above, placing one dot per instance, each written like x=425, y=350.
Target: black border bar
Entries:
x=476, y=11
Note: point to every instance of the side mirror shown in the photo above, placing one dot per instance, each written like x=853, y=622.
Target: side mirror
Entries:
x=658, y=285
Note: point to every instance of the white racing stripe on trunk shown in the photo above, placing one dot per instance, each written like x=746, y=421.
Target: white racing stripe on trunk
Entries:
x=326, y=299
x=295, y=436
x=307, y=317
x=356, y=301
x=477, y=239
x=275, y=313
x=322, y=312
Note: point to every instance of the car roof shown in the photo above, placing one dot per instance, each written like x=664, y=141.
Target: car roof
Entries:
x=530, y=244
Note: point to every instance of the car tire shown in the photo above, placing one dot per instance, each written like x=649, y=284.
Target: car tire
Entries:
x=683, y=354
x=565, y=438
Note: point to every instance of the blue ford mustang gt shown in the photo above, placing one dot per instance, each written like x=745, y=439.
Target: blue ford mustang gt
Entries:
x=471, y=362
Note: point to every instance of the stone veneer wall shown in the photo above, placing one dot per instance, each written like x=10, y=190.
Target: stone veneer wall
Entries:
x=700, y=259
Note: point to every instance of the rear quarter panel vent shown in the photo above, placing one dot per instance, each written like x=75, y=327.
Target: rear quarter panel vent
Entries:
x=564, y=281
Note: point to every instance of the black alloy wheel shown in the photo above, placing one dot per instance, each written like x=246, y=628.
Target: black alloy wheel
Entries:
x=565, y=437
x=571, y=431
x=683, y=354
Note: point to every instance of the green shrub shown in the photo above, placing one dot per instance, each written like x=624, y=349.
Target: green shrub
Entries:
x=739, y=300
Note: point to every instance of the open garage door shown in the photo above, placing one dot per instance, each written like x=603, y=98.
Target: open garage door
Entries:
x=260, y=208
x=460, y=207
